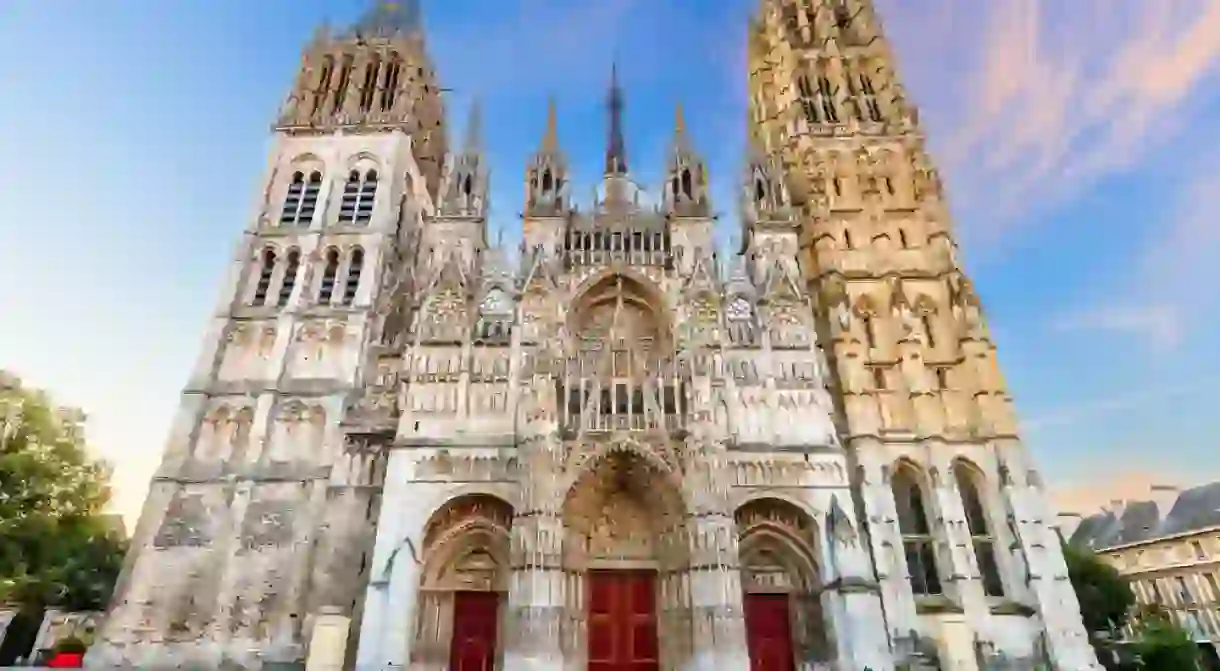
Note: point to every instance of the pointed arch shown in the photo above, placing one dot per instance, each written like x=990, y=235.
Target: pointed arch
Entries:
x=266, y=270
x=779, y=549
x=355, y=268
x=908, y=484
x=972, y=487
x=291, y=268
x=330, y=270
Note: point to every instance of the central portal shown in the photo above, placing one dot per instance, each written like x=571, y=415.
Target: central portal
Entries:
x=623, y=621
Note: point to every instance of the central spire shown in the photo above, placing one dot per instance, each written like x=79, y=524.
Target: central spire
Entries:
x=616, y=149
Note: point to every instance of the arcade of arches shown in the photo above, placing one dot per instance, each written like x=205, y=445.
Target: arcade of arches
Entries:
x=628, y=573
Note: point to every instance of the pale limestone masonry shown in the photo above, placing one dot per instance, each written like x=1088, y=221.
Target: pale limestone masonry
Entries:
x=390, y=412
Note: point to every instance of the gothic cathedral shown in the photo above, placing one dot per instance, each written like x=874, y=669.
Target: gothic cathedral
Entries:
x=612, y=448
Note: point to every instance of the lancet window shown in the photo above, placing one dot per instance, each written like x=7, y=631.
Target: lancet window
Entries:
x=327, y=288
x=290, y=277
x=368, y=91
x=969, y=482
x=323, y=87
x=355, y=268
x=389, y=82
x=265, y=273
x=358, y=195
x=345, y=78
x=301, y=200
x=917, y=542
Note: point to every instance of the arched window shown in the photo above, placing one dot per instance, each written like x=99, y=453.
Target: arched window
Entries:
x=345, y=77
x=917, y=542
x=806, y=96
x=264, y=278
x=827, y=96
x=358, y=196
x=323, y=88
x=389, y=82
x=969, y=482
x=355, y=267
x=688, y=188
x=301, y=199
x=290, y=277
x=368, y=92
x=328, y=276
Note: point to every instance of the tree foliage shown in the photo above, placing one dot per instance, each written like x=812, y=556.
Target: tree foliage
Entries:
x=56, y=549
x=1105, y=598
x=1160, y=643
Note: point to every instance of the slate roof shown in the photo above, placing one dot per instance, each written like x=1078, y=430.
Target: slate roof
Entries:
x=1194, y=509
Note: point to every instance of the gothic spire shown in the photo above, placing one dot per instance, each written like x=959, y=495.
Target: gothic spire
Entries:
x=474, y=129
x=616, y=148
x=681, y=142
x=550, y=138
x=385, y=18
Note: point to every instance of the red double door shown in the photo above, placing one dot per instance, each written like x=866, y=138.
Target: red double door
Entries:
x=623, y=621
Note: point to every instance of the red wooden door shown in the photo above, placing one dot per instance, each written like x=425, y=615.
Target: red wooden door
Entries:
x=769, y=632
x=623, y=621
x=474, y=631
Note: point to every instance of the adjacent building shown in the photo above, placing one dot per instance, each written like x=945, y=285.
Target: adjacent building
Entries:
x=615, y=446
x=1168, y=546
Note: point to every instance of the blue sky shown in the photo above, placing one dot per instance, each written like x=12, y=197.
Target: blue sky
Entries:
x=1081, y=147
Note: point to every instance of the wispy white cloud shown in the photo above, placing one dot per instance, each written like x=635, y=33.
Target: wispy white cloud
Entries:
x=1050, y=96
x=1095, y=409
x=1159, y=324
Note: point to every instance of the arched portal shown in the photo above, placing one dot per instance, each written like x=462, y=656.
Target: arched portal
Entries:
x=785, y=625
x=626, y=550
x=465, y=574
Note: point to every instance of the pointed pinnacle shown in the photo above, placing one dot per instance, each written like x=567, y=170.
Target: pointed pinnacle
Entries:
x=550, y=139
x=679, y=123
x=474, y=129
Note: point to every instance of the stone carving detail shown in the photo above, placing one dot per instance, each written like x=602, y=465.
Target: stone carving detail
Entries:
x=267, y=524
x=187, y=523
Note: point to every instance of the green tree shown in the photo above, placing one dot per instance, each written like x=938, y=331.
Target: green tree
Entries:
x=56, y=550
x=1105, y=597
x=1159, y=643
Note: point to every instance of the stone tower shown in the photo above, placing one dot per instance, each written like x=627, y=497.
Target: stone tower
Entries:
x=260, y=517
x=957, y=516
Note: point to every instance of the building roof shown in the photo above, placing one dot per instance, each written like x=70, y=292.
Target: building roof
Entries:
x=1194, y=509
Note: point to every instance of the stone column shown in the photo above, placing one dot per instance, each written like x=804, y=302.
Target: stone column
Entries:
x=1026, y=507
x=387, y=623
x=537, y=594
x=852, y=597
x=717, y=614
x=537, y=586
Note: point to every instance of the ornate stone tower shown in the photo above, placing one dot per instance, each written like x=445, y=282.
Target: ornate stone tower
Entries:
x=956, y=514
x=259, y=520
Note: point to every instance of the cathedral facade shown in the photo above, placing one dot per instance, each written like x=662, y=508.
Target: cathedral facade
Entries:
x=404, y=447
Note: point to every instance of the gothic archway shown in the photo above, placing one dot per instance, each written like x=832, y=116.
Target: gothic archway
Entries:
x=465, y=557
x=622, y=375
x=626, y=552
x=781, y=575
